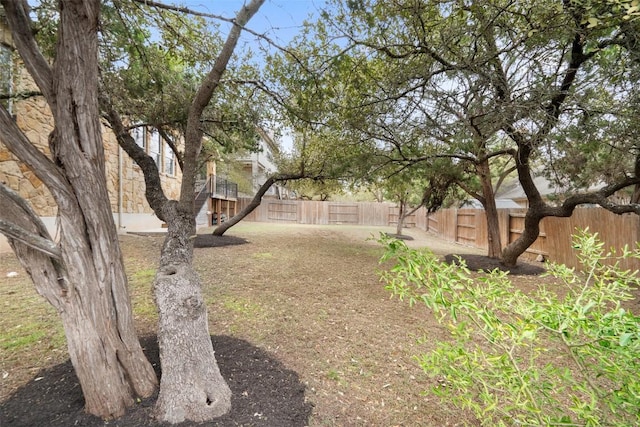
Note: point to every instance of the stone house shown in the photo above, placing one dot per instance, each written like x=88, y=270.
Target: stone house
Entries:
x=260, y=164
x=224, y=195
x=124, y=179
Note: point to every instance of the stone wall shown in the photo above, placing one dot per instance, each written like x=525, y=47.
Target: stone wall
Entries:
x=125, y=176
x=125, y=180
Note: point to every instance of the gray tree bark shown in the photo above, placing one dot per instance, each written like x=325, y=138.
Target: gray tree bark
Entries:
x=191, y=389
x=539, y=209
x=186, y=356
x=402, y=214
x=85, y=281
x=191, y=386
x=494, y=243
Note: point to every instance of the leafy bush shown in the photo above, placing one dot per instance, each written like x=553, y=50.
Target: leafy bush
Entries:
x=563, y=357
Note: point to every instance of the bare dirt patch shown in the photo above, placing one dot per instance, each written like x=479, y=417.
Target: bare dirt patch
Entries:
x=338, y=350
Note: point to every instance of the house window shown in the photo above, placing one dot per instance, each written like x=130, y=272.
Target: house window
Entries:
x=155, y=147
x=139, y=135
x=6, y=67
x=169, y=160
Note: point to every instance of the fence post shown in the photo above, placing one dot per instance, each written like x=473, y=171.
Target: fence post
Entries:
x=504, y=222
x=455, y=225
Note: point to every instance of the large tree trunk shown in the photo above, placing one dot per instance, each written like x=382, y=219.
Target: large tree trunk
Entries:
x=402, y=209
x=529, y=235
x=108, y=361
x=103, y=344
x=535, y=213
x=103, y=347
x=526, y=143
x=635, y=196
x=87, y=282
x=494, y=243
x=191, y=386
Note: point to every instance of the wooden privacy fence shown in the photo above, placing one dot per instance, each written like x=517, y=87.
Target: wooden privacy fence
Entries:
x=469, y=227
x=464, y=226
x=315, y=212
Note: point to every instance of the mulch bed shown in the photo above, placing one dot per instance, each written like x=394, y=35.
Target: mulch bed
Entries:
x=211, y=241
x=399, y=236
x=486, y=264
x=265, y=393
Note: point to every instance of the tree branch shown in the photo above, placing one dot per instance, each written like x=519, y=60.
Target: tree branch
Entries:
x=17, y=14
x=16, y=216
x=20, y=146
x=21, y=95
x=257, y=199
x=12, y=231
x=599, y=197
x=184, y=10
x=153, y=186
x=174, y=147
x=193, y=134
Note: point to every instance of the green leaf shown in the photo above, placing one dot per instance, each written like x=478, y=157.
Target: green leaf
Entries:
x=625, y=339
x=593, y=22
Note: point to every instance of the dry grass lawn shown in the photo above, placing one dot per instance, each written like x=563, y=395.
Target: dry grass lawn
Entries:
x=309, y=295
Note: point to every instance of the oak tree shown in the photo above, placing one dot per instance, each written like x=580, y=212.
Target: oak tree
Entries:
x=82, y=275
x=495, y=78
x=191, y=386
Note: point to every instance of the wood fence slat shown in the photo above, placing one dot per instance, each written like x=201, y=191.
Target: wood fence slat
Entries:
x=467, y=226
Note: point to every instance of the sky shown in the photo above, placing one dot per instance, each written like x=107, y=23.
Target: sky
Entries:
x=280, y=19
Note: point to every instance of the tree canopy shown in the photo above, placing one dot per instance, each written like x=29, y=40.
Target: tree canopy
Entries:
x=541, y=87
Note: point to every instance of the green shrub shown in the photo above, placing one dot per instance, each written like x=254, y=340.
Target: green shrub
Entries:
x=568, y=356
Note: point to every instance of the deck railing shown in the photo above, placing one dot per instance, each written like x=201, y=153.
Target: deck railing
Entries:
x=222, y=188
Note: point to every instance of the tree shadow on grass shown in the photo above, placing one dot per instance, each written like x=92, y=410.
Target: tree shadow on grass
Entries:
x=265, y=393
